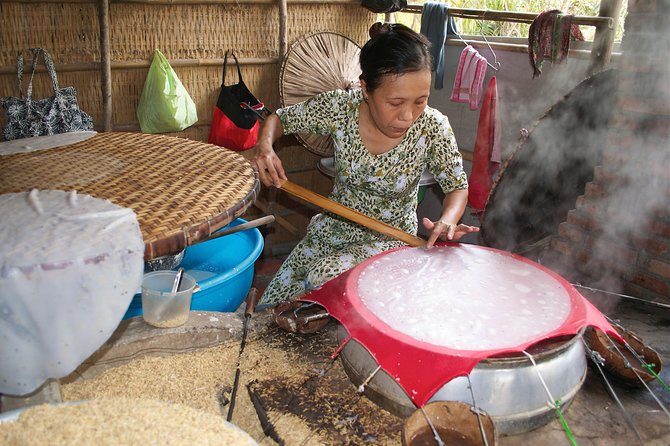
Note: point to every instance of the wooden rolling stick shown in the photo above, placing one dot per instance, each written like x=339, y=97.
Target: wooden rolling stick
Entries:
x=350, y=214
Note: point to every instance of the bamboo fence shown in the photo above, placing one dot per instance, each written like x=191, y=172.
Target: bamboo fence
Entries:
x=104, y=47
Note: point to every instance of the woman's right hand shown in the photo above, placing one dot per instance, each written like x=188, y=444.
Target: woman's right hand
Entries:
x=269, y=166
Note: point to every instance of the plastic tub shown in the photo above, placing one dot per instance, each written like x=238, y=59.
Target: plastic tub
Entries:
x=162, y=308
x=223, y=269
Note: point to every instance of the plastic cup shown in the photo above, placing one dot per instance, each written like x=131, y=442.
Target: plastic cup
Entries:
x=160, y=307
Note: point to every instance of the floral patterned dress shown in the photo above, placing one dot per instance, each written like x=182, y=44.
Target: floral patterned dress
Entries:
x=383, y=186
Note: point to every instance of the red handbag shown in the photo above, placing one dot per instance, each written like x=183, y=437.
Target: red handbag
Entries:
x=237, y=114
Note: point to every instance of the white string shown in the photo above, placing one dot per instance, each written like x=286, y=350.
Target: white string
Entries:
x=644, y=383
x=477, y=411
x=625, y=296
x=34, y=200
x=72, y=199
x=598, y=360
x=432, y=427
x=118, y=222
x=544, y=384
x=361, y=388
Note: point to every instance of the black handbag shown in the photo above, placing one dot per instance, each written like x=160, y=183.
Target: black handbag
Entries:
x=237, y=114
x=28, y=117
x=380, y=6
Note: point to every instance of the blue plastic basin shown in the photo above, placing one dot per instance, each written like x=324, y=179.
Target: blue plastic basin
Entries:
x=223, y=269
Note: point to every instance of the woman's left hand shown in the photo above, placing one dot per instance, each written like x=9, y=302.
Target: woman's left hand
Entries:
x=446, y=231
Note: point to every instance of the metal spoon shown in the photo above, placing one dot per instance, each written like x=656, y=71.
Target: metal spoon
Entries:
x=177, y=280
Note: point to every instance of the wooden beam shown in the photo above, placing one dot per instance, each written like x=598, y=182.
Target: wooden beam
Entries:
x=194, y=62
x=105, y=65
x=516, y=47
x=603, y=40
x=283, y=29
x=200, y=2
x=141, y=64
x=513, y=16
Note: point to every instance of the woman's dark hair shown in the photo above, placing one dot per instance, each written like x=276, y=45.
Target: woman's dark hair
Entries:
x=393, y=49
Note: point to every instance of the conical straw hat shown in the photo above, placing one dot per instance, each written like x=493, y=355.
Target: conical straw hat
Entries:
x=318, y=62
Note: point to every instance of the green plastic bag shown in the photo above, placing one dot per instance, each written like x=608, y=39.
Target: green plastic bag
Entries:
x=165, y=105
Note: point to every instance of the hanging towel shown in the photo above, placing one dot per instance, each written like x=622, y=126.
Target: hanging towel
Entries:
x=436, y=25
x=469, y=77
x=549, y=37
x=487, y=154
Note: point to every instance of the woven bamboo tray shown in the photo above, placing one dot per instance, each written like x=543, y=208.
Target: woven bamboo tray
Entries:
x=181, y=190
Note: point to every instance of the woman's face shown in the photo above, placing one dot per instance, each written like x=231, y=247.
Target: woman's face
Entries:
x=398, y=101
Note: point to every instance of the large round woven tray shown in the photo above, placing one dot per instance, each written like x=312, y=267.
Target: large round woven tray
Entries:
x=181, y=190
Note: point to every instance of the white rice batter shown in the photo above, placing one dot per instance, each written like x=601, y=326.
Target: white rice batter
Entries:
x=464, y=297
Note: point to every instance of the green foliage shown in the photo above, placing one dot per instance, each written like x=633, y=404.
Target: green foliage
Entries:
x=509, y=29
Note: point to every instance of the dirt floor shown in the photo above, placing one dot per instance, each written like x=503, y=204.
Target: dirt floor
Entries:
x=291, y=392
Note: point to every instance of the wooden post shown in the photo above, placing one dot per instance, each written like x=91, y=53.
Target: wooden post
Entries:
x=283, y=29
x=601, y=52
x=105, y=65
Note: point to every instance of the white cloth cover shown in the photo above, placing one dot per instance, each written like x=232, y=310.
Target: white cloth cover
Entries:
x=69, y=267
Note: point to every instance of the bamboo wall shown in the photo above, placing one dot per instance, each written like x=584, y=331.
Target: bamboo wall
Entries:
x=193, y=35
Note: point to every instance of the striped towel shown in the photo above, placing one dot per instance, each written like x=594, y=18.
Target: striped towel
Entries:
x=549, y=37
x=469, y=77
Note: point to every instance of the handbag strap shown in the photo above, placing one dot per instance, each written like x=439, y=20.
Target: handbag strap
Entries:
x=225, y=62
x=33, y=66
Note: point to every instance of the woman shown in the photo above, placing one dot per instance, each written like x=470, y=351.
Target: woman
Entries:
x=385, y=136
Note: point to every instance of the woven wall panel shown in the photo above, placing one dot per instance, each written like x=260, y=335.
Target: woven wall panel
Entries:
x=193, y=31
x=202, y=83
x=69, y=31
x=351, y=21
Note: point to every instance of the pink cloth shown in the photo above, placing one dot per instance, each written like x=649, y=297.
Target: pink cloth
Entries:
x=486, y=154
x=469, y=77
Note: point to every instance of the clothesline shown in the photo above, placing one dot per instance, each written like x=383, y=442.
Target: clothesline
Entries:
x=511, y=16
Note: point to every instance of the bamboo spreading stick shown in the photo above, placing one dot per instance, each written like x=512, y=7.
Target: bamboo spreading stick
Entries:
x=350, y=214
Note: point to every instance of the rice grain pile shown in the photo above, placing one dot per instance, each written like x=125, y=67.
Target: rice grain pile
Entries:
x=201, y=379
x=120, y=421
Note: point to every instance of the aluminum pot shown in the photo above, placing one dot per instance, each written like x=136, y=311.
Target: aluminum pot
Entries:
x=507, y=388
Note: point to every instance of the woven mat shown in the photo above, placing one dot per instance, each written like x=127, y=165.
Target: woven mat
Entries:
x=181, y=190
